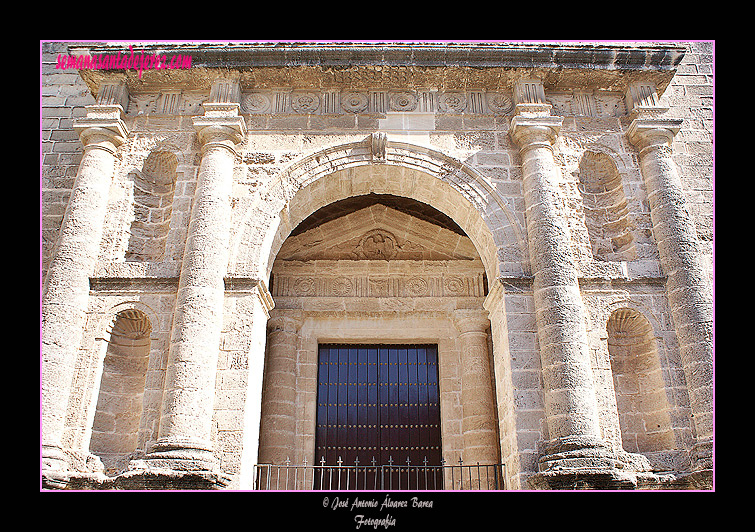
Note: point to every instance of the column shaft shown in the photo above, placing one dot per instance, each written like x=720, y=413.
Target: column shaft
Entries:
x=570, y=400
x=278, y=423
x=688, y=285
x=66, y=290
x=186, y=421
x=479, y=421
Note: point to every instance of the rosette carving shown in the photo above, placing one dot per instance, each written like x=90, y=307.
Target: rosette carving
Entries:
x=255, y=102
x=354, y=102
x=499, y=103
x=304, y=286
x=454, y=285
x=403, y=101
x=342, y=286
x=416, y=286
x=305, y=102
x=452, y=102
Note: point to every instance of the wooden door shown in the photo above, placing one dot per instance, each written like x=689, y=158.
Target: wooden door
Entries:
x=379, y=409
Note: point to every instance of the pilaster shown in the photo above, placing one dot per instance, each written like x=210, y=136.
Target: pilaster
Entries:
x=66, y=291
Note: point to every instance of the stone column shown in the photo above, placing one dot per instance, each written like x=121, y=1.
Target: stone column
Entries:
x=479, y=421
x=570, y=401
x=278, y=423
x=688, y=285
x=66, y=291
x=184, y=440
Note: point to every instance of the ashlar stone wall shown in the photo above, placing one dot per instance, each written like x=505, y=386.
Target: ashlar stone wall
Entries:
x=223, y=190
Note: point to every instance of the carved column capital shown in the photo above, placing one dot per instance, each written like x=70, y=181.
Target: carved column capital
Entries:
x=471, y=321
x=530, y=132
x=287, y=320
x=102, y=128
x=221, y=126
x=220, y=131
x=648, y=134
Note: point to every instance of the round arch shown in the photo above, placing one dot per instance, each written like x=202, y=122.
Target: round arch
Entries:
x=365, y=167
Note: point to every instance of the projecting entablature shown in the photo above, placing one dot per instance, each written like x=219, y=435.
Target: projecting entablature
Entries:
x=488, y=69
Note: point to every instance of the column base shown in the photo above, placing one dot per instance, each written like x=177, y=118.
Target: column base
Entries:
x=59, y=466
x=701, y=455
x=583, y=462
x=55, y=469
x=178, y=455
x=152, y=479
x=175, y=464
x=168, y=466
x=577, y=463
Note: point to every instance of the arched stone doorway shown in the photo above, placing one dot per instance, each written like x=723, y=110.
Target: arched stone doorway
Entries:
x=365, y=292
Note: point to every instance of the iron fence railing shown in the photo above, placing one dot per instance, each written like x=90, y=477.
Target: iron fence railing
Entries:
x=372, y=476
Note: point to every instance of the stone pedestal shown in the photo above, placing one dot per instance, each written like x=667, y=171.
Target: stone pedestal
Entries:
x=66, y=291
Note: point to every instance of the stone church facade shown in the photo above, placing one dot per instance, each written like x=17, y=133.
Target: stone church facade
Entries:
x=532, y=224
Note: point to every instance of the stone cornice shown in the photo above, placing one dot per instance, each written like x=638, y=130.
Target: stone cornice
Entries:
x=445, y=65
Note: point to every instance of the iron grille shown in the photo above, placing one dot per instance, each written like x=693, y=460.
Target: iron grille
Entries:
x=371, y=476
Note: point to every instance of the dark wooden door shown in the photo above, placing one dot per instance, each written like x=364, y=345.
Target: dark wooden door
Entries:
x=379, y=406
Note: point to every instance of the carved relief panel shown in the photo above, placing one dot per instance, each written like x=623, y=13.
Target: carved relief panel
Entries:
x=377, y=251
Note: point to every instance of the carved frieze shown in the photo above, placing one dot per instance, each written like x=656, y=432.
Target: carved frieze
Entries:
x=378, y=101
x=421, y=284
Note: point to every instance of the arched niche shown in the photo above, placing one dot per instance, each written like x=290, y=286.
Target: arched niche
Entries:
x=605, y=207
x=641, y=398
x=117, y=417
x=154, y=186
